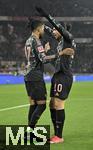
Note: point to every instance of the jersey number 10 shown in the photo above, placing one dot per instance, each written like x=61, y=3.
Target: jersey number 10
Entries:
x=58, y=87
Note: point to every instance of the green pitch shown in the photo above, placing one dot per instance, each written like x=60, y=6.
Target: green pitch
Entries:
x=78, y=131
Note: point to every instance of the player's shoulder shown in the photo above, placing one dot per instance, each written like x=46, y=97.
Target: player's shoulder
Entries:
x=30, y=40
x=37, y=41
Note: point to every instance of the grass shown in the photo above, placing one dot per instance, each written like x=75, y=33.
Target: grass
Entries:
x=78, y=130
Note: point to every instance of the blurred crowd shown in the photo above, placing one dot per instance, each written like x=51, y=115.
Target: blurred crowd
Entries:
x=83, y=62
x=12, y=41
x=14, y=34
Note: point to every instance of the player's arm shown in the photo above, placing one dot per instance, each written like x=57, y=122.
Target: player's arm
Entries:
x=67, y=51
x=48, y=58
x=57, y=25
x=70, y=50
x=27, y=53
x=47, y=47
x=40, y=51
x=73, y=47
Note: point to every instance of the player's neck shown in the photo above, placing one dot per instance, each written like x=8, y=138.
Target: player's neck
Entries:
x=36, y=34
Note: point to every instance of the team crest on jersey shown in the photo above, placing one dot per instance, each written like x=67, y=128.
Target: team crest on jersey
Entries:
x=40, y=49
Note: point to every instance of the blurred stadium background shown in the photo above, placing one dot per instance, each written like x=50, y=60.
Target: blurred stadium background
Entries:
x=13, y=31
x=78, y=132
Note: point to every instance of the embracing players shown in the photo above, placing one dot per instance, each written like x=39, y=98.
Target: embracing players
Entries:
x=34, y=82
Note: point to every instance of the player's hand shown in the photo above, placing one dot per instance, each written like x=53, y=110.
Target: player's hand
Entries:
x=67, y=51
x=47, y=47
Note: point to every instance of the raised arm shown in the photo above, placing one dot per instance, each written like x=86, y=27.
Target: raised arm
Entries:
x=57, y=25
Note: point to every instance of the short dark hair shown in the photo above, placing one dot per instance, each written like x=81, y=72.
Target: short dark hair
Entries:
x=34, y=23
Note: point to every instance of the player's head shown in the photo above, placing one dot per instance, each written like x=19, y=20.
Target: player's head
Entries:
x=36, y=26
x=56, y=33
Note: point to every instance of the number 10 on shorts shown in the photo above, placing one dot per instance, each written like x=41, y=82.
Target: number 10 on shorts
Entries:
x=58, y=87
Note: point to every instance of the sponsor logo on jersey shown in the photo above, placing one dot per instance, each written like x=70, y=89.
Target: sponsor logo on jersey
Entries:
x=40, y=49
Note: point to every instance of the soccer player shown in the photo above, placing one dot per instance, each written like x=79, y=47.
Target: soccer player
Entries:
x=61, y=82
x=34, y=82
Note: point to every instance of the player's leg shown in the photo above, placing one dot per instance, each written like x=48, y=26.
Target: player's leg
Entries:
x=32, y=107
x=61, y=91
x=59, y=107
x=28, y=85
x=52, y=111
x=39, y=94
x=59, y=118
x=51, y=105
x=41, y=106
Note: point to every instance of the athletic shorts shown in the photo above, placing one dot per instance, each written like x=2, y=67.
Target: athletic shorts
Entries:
x=61, y=85
x=36, y=90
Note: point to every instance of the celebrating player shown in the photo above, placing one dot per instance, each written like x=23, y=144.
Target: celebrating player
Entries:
x=61, y=82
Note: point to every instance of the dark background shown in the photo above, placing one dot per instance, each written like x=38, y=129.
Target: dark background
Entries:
x=55, y=7
x=13, y=31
